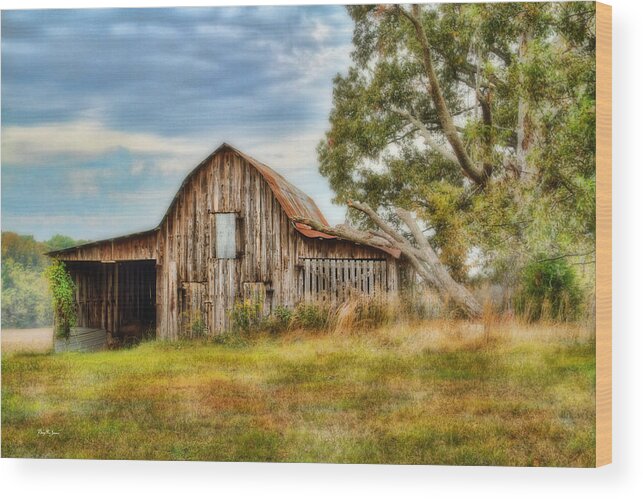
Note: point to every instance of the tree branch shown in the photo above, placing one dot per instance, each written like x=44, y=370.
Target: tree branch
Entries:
x=487, y=119
x=379, y=221
x=446, y=120
x=452, y=289
x=426, y=135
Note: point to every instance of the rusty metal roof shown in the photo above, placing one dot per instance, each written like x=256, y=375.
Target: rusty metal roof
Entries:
x=294, y=202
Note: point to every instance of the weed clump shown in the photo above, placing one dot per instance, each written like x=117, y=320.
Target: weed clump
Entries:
x=193, y=326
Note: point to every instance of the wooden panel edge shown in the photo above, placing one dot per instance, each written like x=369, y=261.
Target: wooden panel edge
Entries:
x=603, y=234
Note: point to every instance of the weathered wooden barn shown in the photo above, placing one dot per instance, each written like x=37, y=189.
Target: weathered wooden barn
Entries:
x=228, y=235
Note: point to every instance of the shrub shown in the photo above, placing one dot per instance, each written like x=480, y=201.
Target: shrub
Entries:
x=419, y=304
x=230, y=338
x=245, y=316
x=549, y=289
x=62, y=290
x=277, y=322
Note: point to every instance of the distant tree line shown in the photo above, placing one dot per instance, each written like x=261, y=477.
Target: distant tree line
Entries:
x=26, y=301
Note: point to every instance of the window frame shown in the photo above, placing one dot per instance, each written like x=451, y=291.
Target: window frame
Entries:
x=237, y=235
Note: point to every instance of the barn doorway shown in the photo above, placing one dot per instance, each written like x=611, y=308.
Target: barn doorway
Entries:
x=136, y=300
x=119, y=297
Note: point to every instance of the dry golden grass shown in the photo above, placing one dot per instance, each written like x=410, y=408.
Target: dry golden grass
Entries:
x=447, y=392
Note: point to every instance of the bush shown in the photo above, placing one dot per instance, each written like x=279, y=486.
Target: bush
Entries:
x=230, y=339
x=419, y=304
x=247, y=317
x=549, y=289
x=26, y=301
x=311, y=316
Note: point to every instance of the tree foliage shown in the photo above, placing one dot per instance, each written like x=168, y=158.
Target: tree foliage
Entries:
x=23, y=250
x=26, y=301
x=510, y=172
x=25, y=297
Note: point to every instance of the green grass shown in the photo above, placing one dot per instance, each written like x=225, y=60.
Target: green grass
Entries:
x=406, y=394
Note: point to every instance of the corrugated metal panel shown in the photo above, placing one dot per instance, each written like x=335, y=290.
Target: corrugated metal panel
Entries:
x=82, y=339
x=308, y=232
x=293, y=201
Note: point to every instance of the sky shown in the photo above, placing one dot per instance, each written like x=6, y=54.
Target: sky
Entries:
x=104, y=111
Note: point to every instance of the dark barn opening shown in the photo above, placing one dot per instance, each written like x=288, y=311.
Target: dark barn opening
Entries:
x=119, y=297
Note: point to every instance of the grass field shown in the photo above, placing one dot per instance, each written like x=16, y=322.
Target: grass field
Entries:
x=436, y=392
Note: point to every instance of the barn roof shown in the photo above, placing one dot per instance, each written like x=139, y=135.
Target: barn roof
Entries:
x=293, y=201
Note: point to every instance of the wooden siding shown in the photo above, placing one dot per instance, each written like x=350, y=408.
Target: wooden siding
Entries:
x=133, y=247
x=337, y=279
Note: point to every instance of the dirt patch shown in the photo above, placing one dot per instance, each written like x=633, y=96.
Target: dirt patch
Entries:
x=27, y=340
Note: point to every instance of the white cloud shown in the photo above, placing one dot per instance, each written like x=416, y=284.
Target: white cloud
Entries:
x=86, y=226
x=137, y=167
x=293, y=155
x=320, y=31
x=220, y=31
x=89, y=139
x=144, y=197
x=310, y=64
x=82, y=182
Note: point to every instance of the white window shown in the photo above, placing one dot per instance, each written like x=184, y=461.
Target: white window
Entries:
x=226, y=237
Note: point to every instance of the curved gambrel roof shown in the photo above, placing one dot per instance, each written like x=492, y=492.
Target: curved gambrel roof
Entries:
x=293, y=201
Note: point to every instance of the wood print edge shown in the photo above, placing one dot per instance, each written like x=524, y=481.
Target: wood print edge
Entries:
x=603, y=234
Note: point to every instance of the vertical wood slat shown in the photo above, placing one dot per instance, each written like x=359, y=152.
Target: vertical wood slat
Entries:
x=333, y=279
x=307, y=280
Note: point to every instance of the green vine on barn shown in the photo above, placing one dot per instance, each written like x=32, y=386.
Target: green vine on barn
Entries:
x=62, y=289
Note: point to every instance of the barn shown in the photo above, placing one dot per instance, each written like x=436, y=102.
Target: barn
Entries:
x=229, y=234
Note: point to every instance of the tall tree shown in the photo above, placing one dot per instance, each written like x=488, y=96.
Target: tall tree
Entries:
x=478, y=119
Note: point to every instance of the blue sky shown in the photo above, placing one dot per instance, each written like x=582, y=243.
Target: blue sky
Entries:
x=104, y=111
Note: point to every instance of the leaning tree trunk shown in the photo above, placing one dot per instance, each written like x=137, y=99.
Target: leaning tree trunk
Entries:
x=421, y=255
